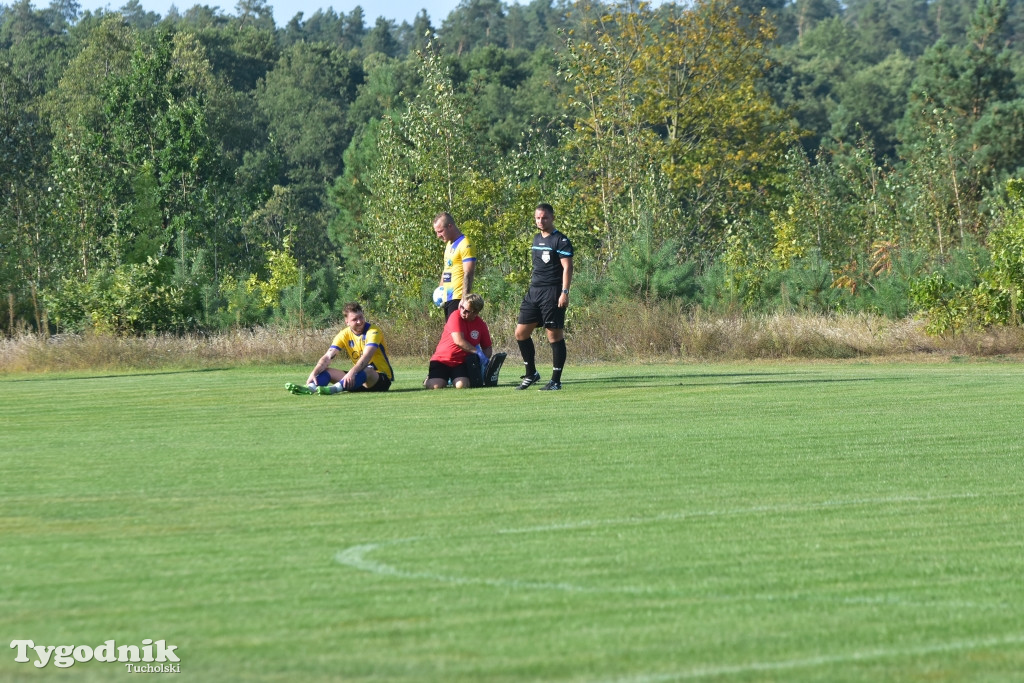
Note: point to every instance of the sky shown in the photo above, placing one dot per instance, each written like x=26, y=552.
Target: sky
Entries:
x=284, y=10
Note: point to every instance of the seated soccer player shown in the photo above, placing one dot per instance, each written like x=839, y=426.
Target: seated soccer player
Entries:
x=364, y=344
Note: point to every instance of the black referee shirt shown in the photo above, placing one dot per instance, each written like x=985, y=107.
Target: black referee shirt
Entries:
x=548, y=253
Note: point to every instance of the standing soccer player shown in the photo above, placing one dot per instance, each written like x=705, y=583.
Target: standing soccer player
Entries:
x=546, y=300
x=459, y=263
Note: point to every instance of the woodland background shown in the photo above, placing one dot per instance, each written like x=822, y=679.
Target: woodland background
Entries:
x=205, y=171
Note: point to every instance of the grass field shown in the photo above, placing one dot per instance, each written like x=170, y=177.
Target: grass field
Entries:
x=819, y=522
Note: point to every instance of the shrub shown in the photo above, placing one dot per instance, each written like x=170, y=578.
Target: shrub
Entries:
x=127, y=299
x=650, y=271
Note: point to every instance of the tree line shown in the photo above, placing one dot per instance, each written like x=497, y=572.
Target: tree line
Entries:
x=203, y=170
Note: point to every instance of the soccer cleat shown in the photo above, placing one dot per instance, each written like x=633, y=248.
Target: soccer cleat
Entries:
x=528, y=381
x=298, y=389
x=551, y=386
x=323, y=391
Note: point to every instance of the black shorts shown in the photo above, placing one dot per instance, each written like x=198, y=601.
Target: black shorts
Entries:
x=450, y=307
x=439, y=370
x=383, y=384
x=540, y=306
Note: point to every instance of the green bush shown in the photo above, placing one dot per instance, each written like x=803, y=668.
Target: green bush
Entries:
x=804, y=287
x=1002, y=284
x=652, y=272
x=127, y=299
x=949, y=296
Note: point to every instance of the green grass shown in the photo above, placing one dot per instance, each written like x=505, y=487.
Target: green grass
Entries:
x=825, y=522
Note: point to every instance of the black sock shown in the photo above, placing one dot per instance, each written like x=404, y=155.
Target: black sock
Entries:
x=557, y=360
x=529, y=354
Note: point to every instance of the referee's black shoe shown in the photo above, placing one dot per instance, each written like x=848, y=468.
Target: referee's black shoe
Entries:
x=551, y=386
x=528, y=380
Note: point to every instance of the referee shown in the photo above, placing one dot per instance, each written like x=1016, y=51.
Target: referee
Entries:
x=546, y=300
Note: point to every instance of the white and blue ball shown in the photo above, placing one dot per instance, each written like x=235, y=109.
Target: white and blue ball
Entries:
x=440, y=296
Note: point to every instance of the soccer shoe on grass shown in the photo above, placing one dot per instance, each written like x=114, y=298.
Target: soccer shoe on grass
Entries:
x=323, y=391
x=528, y=381
x=551, y=386
x=298, y=389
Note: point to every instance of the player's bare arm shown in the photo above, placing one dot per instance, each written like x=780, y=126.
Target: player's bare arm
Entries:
x=563, y=299
x=364, y=360
x=468, y=268
x=322, y=364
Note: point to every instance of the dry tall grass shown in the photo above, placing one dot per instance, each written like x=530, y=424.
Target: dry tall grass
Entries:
x=615, y=333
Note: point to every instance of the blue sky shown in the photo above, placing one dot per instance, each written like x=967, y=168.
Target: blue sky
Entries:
x=284, y=10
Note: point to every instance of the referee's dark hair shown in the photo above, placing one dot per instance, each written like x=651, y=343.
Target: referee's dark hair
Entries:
x=546, y=207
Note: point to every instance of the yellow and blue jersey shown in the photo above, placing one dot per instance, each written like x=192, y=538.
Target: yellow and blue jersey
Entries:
x=355, y=344
x=456, y=254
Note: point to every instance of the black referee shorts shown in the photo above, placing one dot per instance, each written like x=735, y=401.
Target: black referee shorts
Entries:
x=540, y=306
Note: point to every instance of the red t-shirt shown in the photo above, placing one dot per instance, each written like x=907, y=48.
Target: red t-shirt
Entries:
x=474, y=331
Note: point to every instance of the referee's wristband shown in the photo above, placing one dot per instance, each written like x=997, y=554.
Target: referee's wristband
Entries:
x=565, y=291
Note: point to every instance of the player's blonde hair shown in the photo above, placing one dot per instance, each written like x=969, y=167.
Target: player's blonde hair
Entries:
x=474, y=301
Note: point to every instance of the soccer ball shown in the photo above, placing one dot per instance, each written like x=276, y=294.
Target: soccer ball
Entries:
x=439, y=296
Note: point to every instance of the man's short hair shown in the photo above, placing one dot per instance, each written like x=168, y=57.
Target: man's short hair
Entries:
x=448, y=218
x=474, y=301
x=351, y=307
x=546, y=207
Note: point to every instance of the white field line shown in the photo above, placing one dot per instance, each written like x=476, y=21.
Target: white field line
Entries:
x=822, y=660
x=755, y=510
x=356, y=557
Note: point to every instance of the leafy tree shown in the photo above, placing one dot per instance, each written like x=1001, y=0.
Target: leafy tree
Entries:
x=305, y=99
x=430, y=160
x=380, y=96
x=672, y=95
x=950, y=19
x=941, y=188
x=1000, y=294
x=26, y=241
x=414, y=37
x=381, y=38
x=160, y=129
x=85, y=175
x=305, y=102
x=474, y=23
x=254, y=13
x=383, y=87
x=424, y=157
x=511, y=90
x=808, y=13
x=887, y=26
x=354, y=28
x=965, y=108
x=198, y=17
x=241, y=52
x=535, y=24
x=871, y=101
x=35, y=43
x=806, y=77
x=138, y=17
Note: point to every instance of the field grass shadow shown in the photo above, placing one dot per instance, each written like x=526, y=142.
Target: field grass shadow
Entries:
x=734, y=379
x=150, y=373
x=669, y=377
